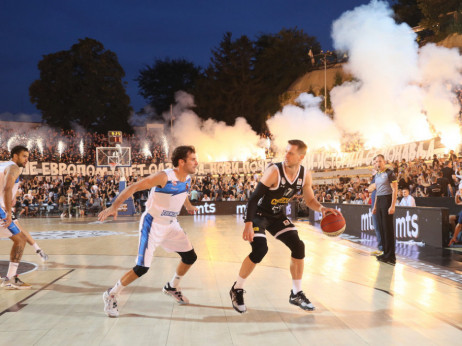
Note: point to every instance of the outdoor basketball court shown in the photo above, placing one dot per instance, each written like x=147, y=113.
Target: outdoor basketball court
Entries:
x=358, y=300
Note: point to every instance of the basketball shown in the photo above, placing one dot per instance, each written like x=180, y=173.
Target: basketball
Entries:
x=333, y=225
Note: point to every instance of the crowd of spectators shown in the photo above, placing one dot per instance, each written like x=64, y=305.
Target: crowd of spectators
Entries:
x=76, y=147
x=419, y=178
x=83, y=195
x=79, y=194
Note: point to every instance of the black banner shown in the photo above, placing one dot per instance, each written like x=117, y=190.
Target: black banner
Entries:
x=420, y=224
x=230, y=208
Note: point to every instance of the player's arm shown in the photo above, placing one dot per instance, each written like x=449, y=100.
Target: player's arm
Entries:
x=189, y=207
x=394, y=196
x=12, y=173
x=269, y=179
x=158, y=179
x=310, y=199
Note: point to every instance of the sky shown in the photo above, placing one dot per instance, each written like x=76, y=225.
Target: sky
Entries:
x=140, y=32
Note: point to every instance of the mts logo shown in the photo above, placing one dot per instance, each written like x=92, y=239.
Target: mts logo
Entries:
x=366, y=222
x=240, y=209
x=407, y=226
x=206, y=208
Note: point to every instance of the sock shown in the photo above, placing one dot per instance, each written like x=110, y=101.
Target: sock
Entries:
x=175, y=280
x=239, y=283
x=12, y=270
x=118, y=287
x=296, y=286
x=36, y=247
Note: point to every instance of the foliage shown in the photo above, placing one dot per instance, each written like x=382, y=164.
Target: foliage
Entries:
x=247, y=78
x=438, y=17
x=82, y=85
x=159, y=82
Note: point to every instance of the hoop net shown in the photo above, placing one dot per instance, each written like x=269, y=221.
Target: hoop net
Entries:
x=113, y=166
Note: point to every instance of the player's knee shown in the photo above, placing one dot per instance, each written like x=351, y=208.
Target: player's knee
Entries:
x=188, y=257
x=20, y=240
x=140, y=270
x=293, y=242
x=298, y=250
x=259, y=249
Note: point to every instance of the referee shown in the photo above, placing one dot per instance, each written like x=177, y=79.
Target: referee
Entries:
x=385, y=201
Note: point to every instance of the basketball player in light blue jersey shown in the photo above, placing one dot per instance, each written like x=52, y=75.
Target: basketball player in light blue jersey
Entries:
x=9, y=183
x=159, y=225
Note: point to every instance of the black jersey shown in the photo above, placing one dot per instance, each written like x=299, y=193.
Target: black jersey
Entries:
x=275, y=199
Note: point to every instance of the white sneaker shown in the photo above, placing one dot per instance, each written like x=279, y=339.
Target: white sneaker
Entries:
x=43, y=255
x=110, y=304
x=14, y=283
x=175, y=294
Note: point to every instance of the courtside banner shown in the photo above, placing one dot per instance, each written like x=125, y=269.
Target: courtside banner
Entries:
x=420, y=224
x=35, y=168
x=229, y=208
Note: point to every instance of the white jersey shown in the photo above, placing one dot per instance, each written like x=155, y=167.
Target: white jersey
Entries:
x=164, y=203
x=3, y=167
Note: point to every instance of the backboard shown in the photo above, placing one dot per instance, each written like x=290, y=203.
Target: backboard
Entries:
x=113, y=156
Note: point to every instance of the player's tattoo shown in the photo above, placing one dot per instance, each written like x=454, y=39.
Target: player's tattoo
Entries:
x=16, y=253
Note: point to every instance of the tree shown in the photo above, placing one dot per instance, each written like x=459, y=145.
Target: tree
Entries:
x=82, y=85
x=227, y=88
x=407, y=11
x=280, y=59
x=248, y=78
x=436, y=17
x=159, y=82
x=437, y=14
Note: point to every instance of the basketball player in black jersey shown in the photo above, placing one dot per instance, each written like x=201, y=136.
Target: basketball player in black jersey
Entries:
x=265, y=211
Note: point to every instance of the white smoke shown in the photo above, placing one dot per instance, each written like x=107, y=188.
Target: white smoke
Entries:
x=214, y=141
x=305, y=122
x=401, y=93
x=139, y=119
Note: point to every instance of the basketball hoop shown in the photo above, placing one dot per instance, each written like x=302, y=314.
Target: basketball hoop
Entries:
x=113, y=166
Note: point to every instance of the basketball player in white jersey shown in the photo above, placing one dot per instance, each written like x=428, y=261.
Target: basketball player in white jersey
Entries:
x=9, y=183
x=159, y=225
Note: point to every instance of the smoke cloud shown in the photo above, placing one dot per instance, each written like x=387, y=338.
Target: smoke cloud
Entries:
x=214, y=141
x=306, y=122
x=401, y=93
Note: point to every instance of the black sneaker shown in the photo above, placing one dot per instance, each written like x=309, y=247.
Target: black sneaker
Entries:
x=301, y=300
x=237, y=298
x=175, y=294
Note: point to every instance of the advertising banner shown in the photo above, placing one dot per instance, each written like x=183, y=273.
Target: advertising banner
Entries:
x=230, y=208
x=420, y=224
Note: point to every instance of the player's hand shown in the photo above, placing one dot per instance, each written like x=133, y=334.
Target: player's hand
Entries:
x=391, y=210
x=7, y=221
x=248, y=232
x=374, y=211
x=107, y=212
x=325, y=211
x=191, y=210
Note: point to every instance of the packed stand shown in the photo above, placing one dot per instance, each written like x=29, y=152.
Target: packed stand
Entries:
x=69, y=146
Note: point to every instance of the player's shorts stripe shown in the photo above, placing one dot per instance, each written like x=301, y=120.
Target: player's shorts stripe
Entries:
x=12, y=227
x=259, y=235
x=144, y=238
x=284, y=231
